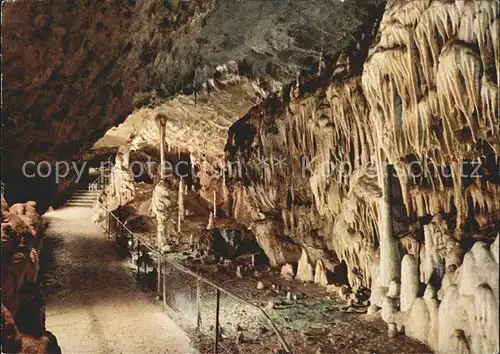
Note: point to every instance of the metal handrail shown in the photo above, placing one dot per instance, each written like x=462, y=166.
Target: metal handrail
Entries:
x=138, y=238
x=94, y=183
x=283, y=343
x=235, y=297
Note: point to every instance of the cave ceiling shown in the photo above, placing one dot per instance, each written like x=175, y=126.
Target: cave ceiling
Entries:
x=72, y=70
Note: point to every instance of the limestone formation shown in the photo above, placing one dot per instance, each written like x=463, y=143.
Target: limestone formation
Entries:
x=23, y=322
x=409, y=281
x=320, y=275
x=363, y=134
x=304, y=269
x=287, y=271
x=161, y=207
x=393, y=290
x=466, y=320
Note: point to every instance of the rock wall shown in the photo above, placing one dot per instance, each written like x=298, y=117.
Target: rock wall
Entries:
x=425, y=95
x=23, y=308
x=340, y=107
x=73, y=69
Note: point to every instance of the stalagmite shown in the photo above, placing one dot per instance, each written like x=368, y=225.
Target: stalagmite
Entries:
x=287, y=271
x=389, y=253
x=394, y=289
x=161, y=205
x=304, y=269
x=409, y=281
x=211, y=223
x=320, y=276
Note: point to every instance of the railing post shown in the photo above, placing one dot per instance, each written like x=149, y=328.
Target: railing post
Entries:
x=138, y=255
x=109, y=225
x=158, y=280
x=217, y=306
x=164, y=285
x=198, y=304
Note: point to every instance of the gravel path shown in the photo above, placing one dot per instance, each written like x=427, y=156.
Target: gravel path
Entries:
x=93, y=302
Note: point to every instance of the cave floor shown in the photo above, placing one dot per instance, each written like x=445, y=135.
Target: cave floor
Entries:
x=94, y=304
x=315, y=323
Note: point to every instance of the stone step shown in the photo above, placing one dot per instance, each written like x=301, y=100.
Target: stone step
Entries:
x=82, y=200
x=84, y=197
x=79, y=205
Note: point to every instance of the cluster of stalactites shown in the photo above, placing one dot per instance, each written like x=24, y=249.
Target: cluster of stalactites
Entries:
x=431, y=93
x=427, y=91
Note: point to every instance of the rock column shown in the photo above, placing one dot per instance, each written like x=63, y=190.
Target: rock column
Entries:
x=389, y=254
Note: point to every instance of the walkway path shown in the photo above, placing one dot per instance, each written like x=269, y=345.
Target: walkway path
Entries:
x=94, y=305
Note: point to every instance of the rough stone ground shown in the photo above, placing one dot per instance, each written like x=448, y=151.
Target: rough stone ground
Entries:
x=94, y=304
x=315, y=323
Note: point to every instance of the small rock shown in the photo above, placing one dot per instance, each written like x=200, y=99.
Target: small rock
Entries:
x=350, y=310
x=366, y=303
x=288, y=296
x=344, y=291
x=287, y=272
x=256, y=274
x=341, y=291
x=270, y=305
x=295, y=297
x=372, y=309
x=353, y=297
x=260, y=285
x=238, y=272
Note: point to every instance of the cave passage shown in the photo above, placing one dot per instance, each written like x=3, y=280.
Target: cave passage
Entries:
x=93, y=302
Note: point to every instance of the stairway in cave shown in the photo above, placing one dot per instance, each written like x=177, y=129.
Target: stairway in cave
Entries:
x=83, y=198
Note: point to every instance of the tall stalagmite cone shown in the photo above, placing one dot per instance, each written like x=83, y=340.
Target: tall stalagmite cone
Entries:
x=390, y=261
x=320, y=274
x=304, y=270
x=409, y=281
